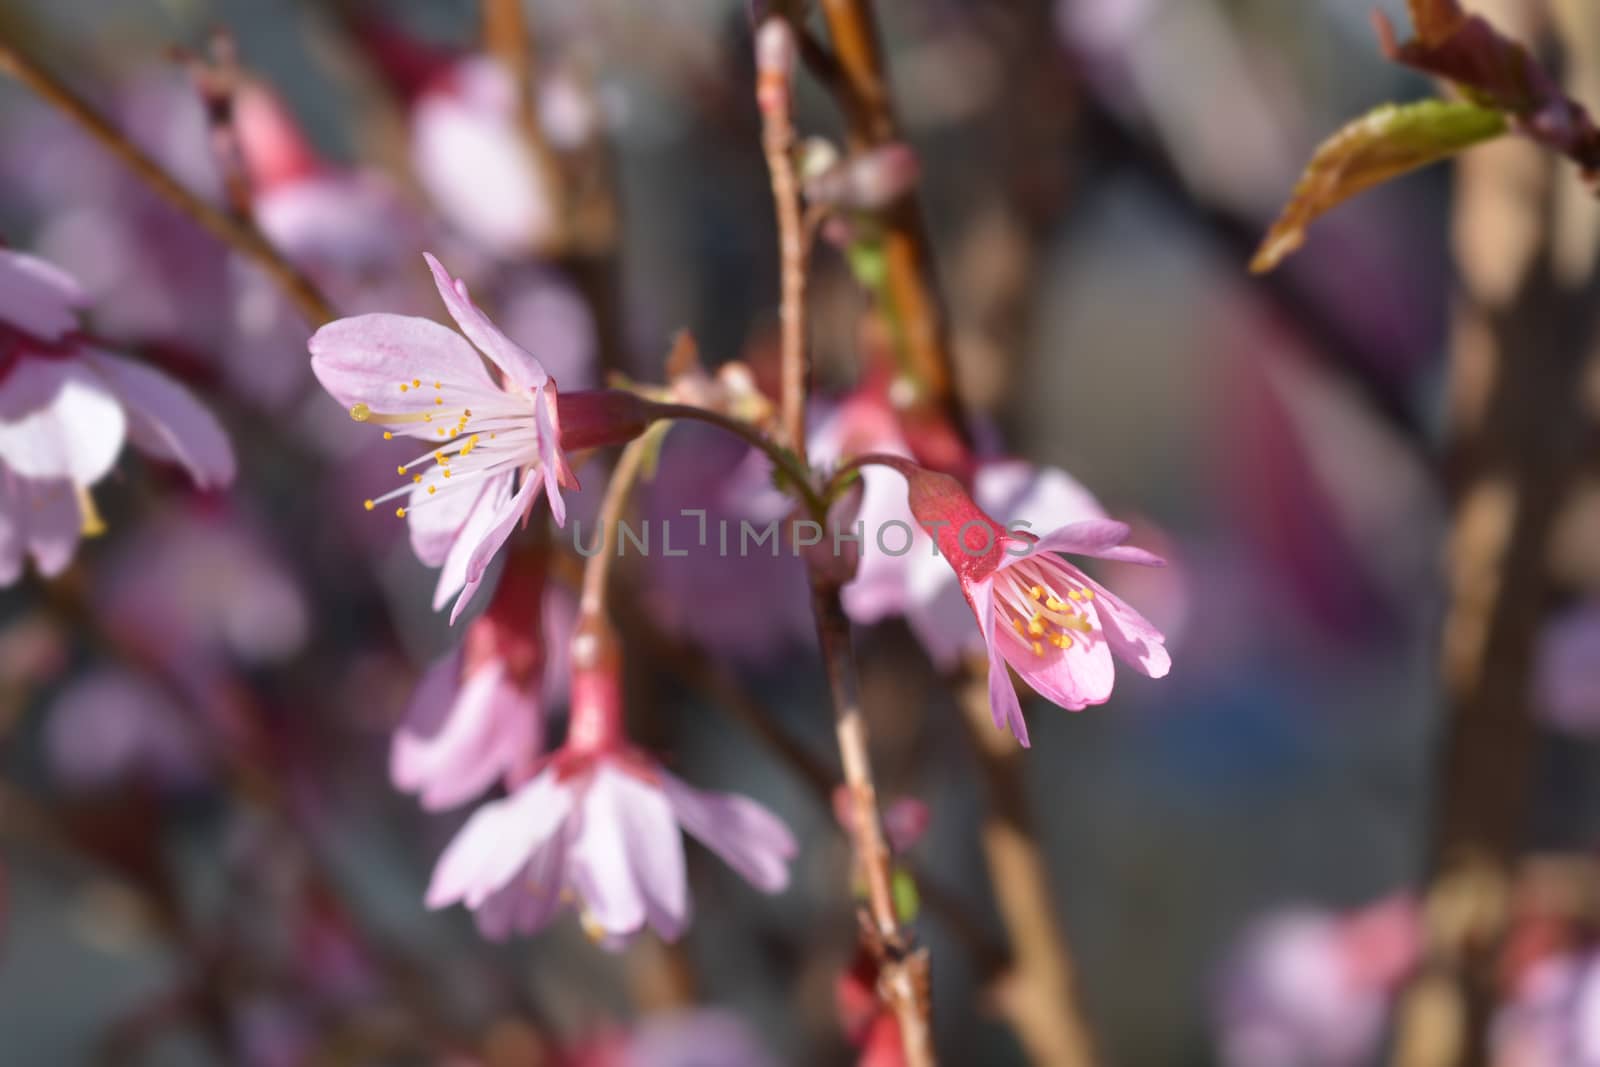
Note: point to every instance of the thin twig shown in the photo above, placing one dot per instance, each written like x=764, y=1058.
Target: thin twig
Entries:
x=860, y=84
x=902, y=968
x=775, y=58
x=239, y=234
x=216, y=79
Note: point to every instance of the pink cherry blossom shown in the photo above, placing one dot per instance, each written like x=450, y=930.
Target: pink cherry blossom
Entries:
x=475, y=164
x=1310, y=988
x=495, y=444
x=478, y=714
x=66, y=408
x=917, y=585
x=599, y=825
x=1038, y=614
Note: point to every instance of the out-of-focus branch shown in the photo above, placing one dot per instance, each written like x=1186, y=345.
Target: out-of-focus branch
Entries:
x=1038, y=994
x=508, y=37
x=903, y=983
x=1525, y=342
x=860, y=82
x=238, y=233
x=216, y=79
x=775, y=58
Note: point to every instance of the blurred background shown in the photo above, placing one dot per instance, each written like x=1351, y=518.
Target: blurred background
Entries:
x=201, y=855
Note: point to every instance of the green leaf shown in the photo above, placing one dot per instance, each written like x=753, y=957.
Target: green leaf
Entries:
x=907, y=901
x=1385, y=143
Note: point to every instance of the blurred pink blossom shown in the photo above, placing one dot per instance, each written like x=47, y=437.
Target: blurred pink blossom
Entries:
x=1552, y=1018
x=478, y=714
x=110, y=727
x=1307, y=988
x=66, y=408
x=1568, y=673
x=600, y=825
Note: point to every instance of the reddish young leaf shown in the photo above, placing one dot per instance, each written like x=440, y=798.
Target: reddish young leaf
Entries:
x=1495, y=71
x=1383, y=144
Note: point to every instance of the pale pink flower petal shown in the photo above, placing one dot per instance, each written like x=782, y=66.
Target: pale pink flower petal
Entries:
x=519, y=367
x=58, y=420
x=748, y=837
x=500, y=527
x=1079, y=676
x=37, y=297
x=166, y=422
x=1099, y=538
x=437, y=528
x=655, y=851
x=1131, y=636
x=1004, y=707
x=600, y=866
x=38, y=519
x=365, y=360
x=1017, y=489
x=474, y=528
x=475, y=163
x=497, y=841
x=534, y=897
x=460, y=735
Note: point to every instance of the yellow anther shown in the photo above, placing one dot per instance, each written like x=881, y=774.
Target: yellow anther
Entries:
x=432, y=489
x=438, y=385
x=387, y=436
x=467, y=414
x=404, y=387
x=415, y=478
x=1016, y=624
x=400, y=469
x=399, y=513
x=92, y=524
x=441, y=458
x=427, y=416
x=447, y=472
x=360, y=412
x=440, y=431
x=1088, y=594
x=1053, y=604
x=368, y=504
x=1038, y=648
x=1036, y=591
x=439, y=400
x=1063, y=642
x=1074, y=595
x=416, y=383
x=493, y=436
x=1036, y=625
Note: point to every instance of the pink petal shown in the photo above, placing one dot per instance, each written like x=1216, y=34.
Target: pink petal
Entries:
x=600, y=869
x=655, y=851
x=453, y=573
x=456, y=741
x=1046, y=497
x=528, y=903
x=435, y=521
x=1131, y=636
x=556, y=471
x=1073, y=678
x=497, y=841
x=1099, y=538
x=501, y=523
x=476, y=166
x=520, y=368
x=57, y=420
x=37, y=297
x=748, y=837
x=365, y=360
x=879, y=590
x=1004, y=707
x=166, y=422
x=40, y=519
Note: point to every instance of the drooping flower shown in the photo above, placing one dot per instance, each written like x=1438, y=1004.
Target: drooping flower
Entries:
x=915, y=583
x=66, y=408
x=495, y=444
x=1307, y=988
x=1040, y=615
x=599, y=825
x=478, y=714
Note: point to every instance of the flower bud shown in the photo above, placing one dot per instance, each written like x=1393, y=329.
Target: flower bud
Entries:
x=595, y=418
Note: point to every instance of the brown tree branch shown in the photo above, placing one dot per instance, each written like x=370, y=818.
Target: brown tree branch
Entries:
x=239, y=234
